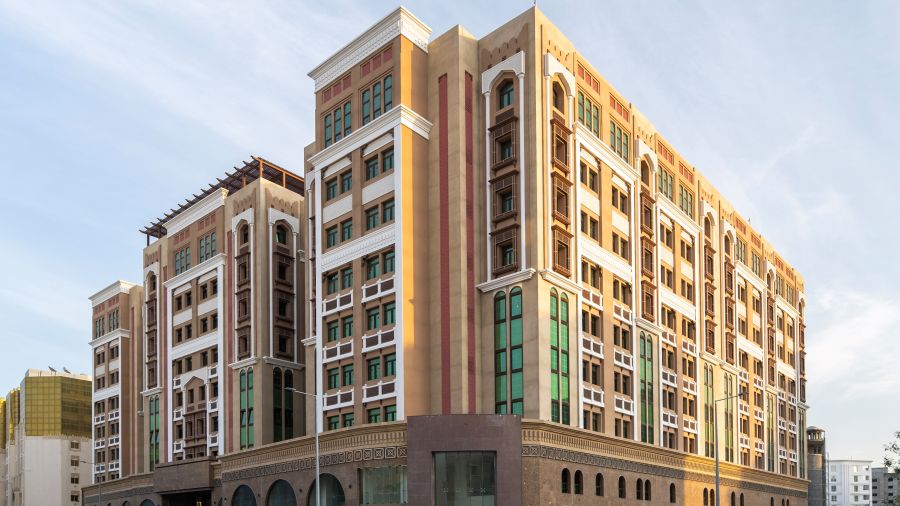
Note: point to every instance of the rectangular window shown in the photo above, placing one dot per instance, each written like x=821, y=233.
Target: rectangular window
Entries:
x=389, y=310
x=346, y=278
x=371, y=168
x=371, y=218
x=686, y=200
x=618, y=140
x=389, y=262
x=347, y=326
x=346, y=230
x=346, y=181
x=387, y=211
x=373, y=366
x=390, y=413
x=331, y=236
x=387, y=160
x=372, y=270
x=333, y=331
x=331, y=189
x=373, y=318
x=390, y=364
x=347, y=374
x=337, y=123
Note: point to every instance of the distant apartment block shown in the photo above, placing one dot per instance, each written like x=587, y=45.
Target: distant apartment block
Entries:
x=849, y=482
x=885, y=487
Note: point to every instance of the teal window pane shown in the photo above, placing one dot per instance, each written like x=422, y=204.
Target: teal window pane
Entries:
x=515, y=332
x=515, y=385
x=554, y=386
x=501, y=362
x=499, y=336
x=516, y=356
x=500, y=389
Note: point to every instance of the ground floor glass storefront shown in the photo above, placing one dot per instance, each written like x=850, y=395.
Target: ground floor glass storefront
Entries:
x=465, y=478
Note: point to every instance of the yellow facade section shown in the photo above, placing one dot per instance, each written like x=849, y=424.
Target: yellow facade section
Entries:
x=57, y=406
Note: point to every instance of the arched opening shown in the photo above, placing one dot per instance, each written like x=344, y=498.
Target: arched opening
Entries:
x=639, y=489
x=244, y=233
x=647, y=490
x=598, y=485
x=705, y=497
x=672, y=493
x=728, y=244
x=621, y=487
x=332, y=492
x=147, y=502
x=707, y=227
x=733, y=499
x=742, y=499
x=564, y=486
x=645, y=172
x=126, y=503
x=559, y=98
x=243, y=496
x=579, y=483
x=281, y=234
x=281, y=494
x=505, y=94
x=712, y=497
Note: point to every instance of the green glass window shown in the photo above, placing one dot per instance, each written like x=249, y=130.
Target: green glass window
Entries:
x=366, y=106
x=506, y=95
x=390, y=364
x=372, y=270
x=389, y=262
x=331, y=189
x=331, y=283
x=371, y=218
x=388, y=93
x=348, y=123
x=327, y=130
x=347, y=278
x=500, y=358
x=373, y=318
x=646, y=388
x=346, y=230
x=618, y=140
x=374, y=415
x=390, y=311
x=387, y=211
x=338, y=125
x=390, y=413
x=347, y=373
x=331, y=236
x=333, y=378
x=371, y=168
x=373, y=366
x=334, y=422
x=347, y=326
x=333, y=333
x=387, y=160
x=376, y=100
x=346, y=182
x=348, y=419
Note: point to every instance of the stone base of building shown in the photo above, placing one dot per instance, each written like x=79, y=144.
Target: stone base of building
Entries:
x=453, y=459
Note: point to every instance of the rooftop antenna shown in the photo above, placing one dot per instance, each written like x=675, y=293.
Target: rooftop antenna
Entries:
x=51, y=369
x=66, y=371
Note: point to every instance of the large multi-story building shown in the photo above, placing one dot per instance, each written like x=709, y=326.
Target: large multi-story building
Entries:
x=849, y=482
x=45, y=447
x=885, y=487
x=489, y=243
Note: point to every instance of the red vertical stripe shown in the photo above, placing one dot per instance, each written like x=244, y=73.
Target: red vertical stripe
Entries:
x=228, y=352
x=470, y=247
x=443, y=147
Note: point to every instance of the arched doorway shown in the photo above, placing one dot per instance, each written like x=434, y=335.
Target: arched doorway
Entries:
x=243, y=496
x=281, y=494
x=332, y=492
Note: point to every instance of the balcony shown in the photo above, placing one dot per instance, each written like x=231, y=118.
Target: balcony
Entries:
x=689, y=385
x=782, y=424
x=593, y=395
x=759, y=446
x=758, y=383
x=744, y=376
x=99, y=443
x=114, y=441
x=758, y=414
x=689, y=425
x=377, y=288
x=213, y=371
x=339, y=399
x=377, y=340
x=178, y=414
x=378, y=391
x=213, y=440
x=176, y=382
x=782, y=453
x=337, y=352
x=744, y=441
x=178, y=446
x=592, y=297
x=213, y=405
x=743, y=408
x=623, y=359
x=668, y=378
x=625, y=406
x=590, y=346
x=114, y=415
x=792, y=456
x=100, y=468
x=622, y=312
x=668, y=337
x=100, y=419
x=688, y=346
x=114, y=466
x=669, y=419
x=337, y=303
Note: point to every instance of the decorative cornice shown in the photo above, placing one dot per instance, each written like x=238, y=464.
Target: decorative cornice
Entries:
x=196, y=271
x=358, y=247
x=400, y=22
x=205, y=206
x=111, y=290
x=560, y=281
x=504, y=281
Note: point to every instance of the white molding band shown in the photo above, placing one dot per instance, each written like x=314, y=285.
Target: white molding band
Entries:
x=206, y=205
x=399, y=22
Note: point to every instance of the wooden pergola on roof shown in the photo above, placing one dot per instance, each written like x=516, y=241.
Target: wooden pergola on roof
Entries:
x=256, y=168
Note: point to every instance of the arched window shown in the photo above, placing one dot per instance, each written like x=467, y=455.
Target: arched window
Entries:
x=645, y=172
x=712, y=497
x=506, y=94
x=554, y=356
x=621, y=487
x=707, y=227
x=281, y=234
x=516, y=382
x=244, y=233
x=742, y=499
x=332, y=492
x=672, y=493
x=147, y=502
x=243, y=496
x=705, y=497
x=727, y=244
x=246, y=408
x=565, y=481
x=598, y=485
x=281, y=494
x=771, y=501
x=559, y=98
x=733, y=499
x=782, y=502
x=639, y=489
x=647, y=490
x=579, y=483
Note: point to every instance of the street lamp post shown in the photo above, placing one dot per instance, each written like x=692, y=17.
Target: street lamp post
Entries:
x=742, y=393
x=315, y=396
x=99, y=483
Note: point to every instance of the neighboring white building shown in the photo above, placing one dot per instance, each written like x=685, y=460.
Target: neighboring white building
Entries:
x=849, y=482
x=885, y=487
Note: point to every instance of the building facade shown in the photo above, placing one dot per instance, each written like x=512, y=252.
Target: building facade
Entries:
x=817, y=472
x=849, y=482
x=885, y=487
x=46, y=446
x=485, y=228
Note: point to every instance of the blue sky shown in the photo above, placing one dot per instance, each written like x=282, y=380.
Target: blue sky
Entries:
x=112, y=112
